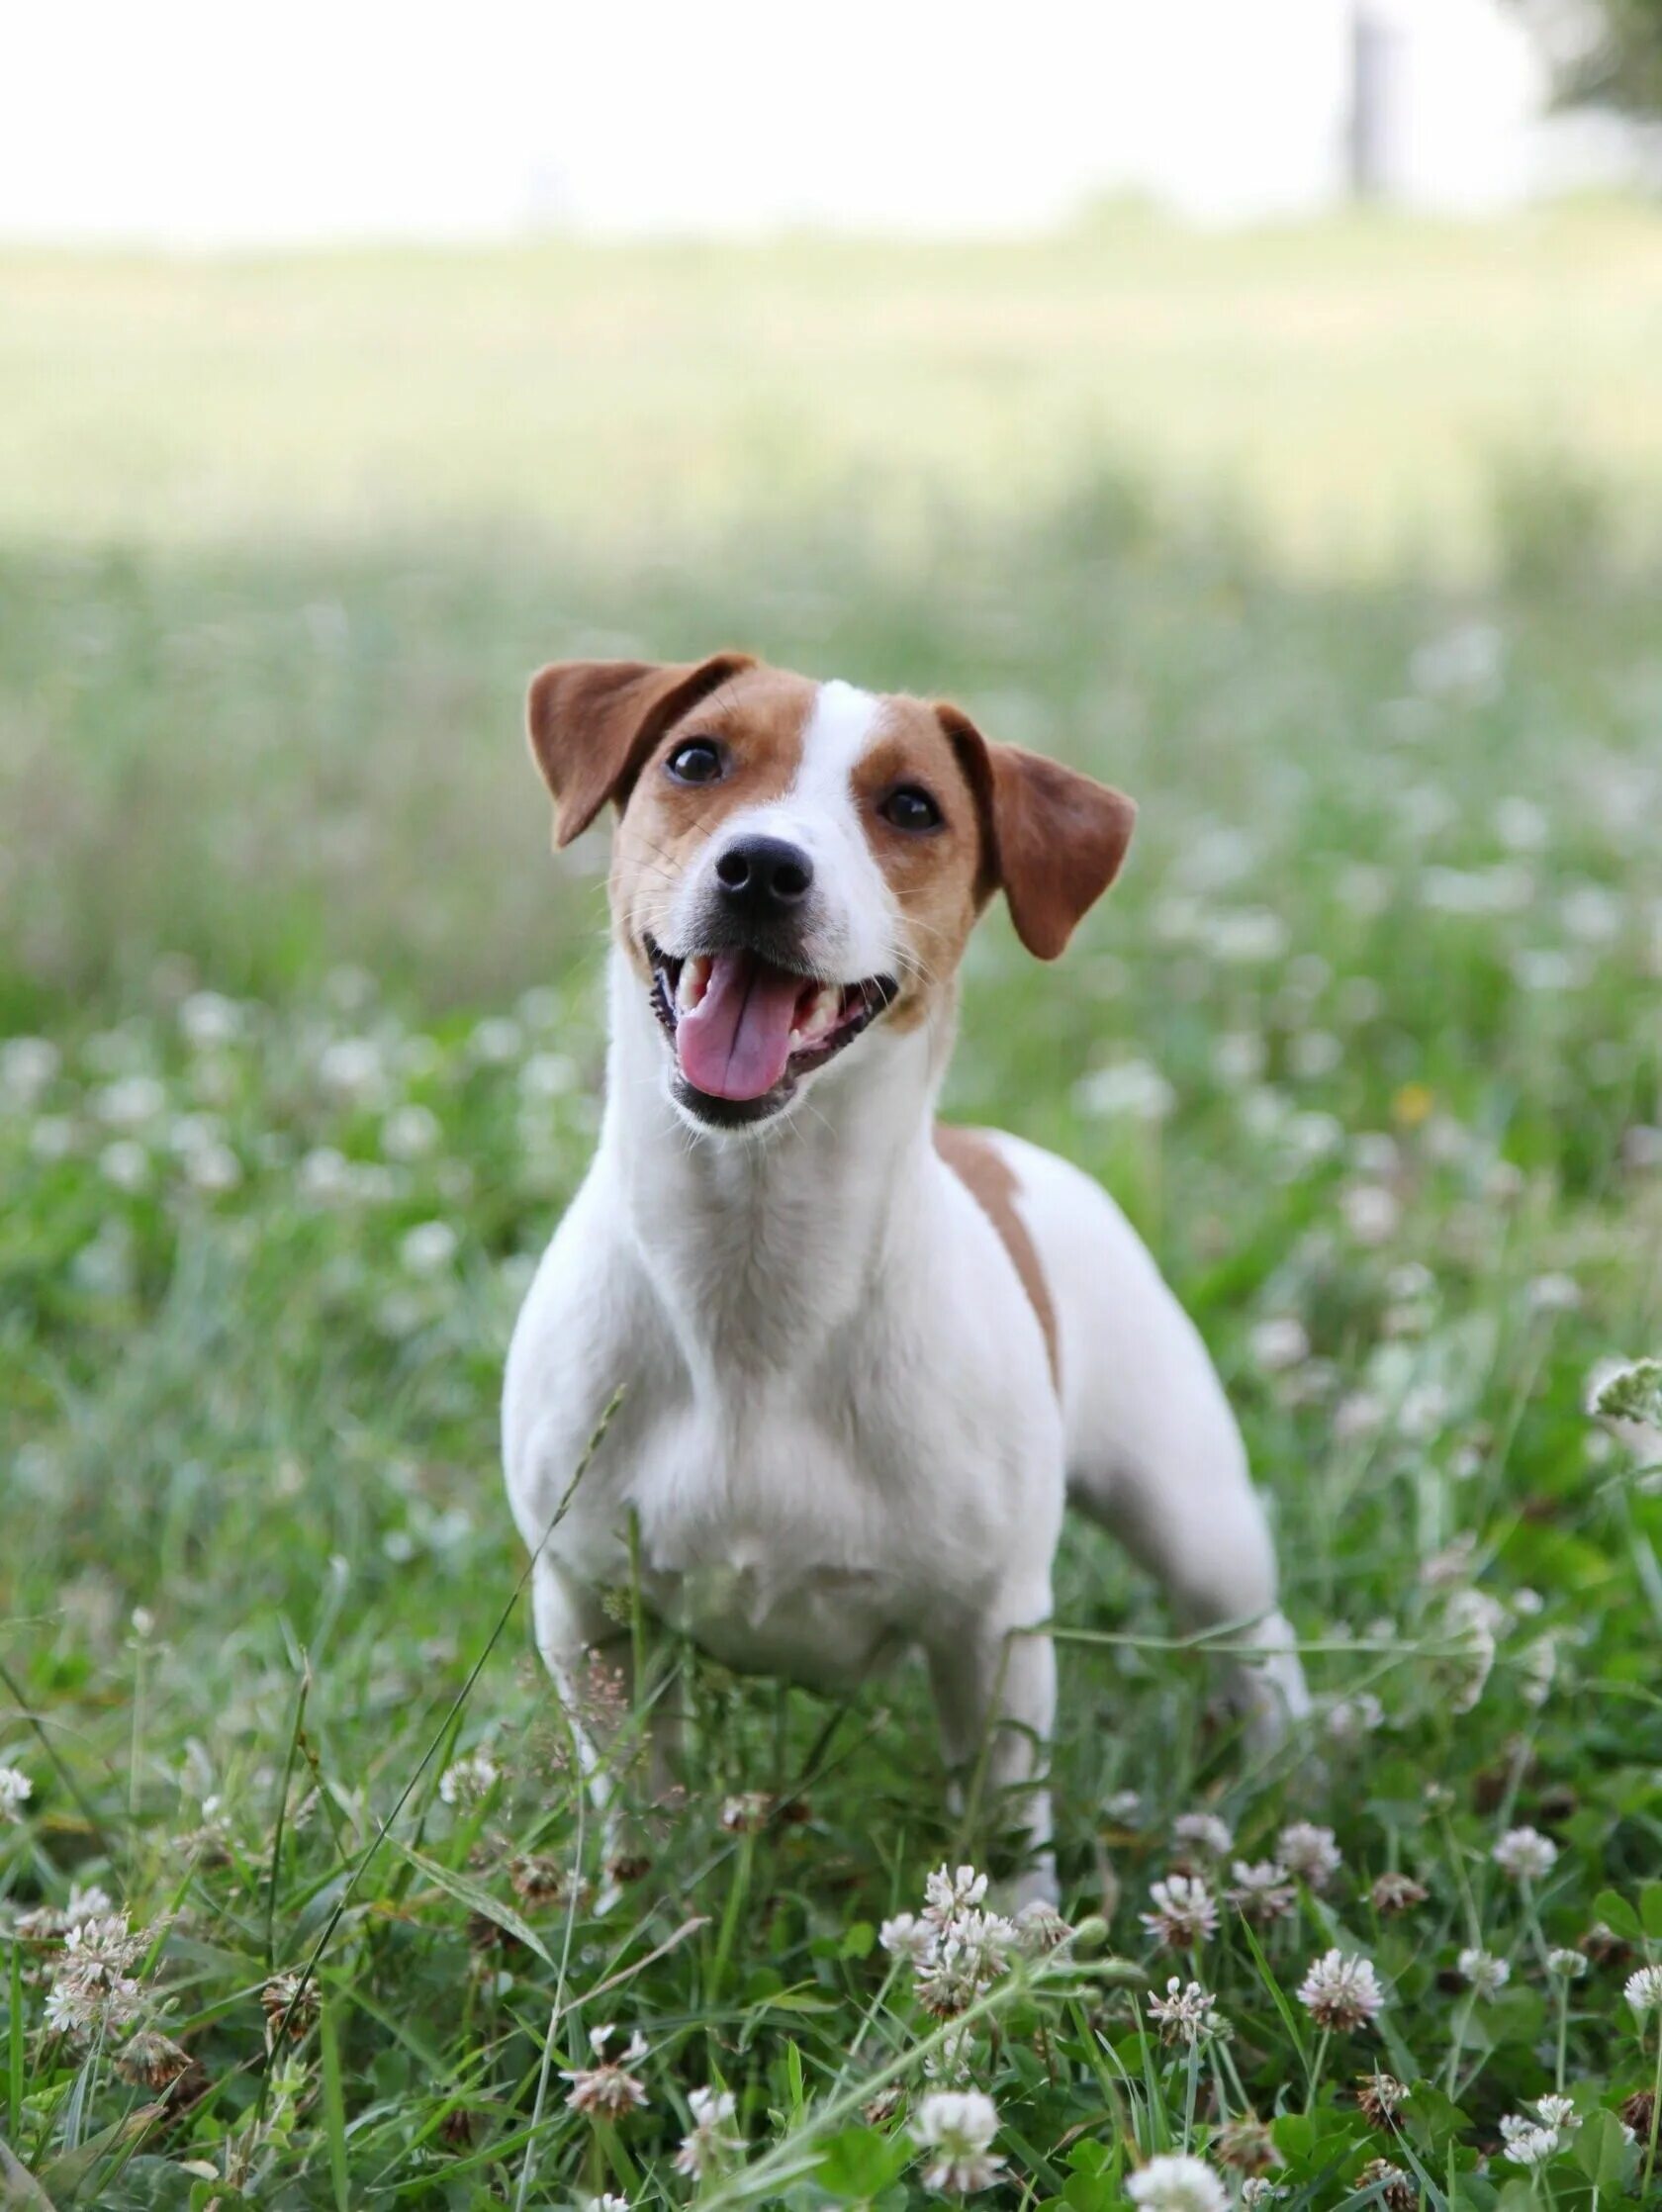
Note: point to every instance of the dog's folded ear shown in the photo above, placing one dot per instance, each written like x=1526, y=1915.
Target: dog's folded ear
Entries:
x=1051, y=839
x=593, y=723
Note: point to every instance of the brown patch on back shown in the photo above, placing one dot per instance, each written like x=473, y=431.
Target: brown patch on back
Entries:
x=758, y=717
x=988, y=1178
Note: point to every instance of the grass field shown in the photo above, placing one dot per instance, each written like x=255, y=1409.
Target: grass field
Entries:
x=301, y=1060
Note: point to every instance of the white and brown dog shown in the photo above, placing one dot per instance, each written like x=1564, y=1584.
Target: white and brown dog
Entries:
x=865, y=1358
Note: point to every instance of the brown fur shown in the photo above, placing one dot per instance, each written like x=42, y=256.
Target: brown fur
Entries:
x=977, y=1163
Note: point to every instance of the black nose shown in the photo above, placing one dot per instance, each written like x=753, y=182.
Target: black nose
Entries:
x=764, y=875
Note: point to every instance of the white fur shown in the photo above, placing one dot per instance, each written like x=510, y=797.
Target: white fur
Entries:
x=839, y=1436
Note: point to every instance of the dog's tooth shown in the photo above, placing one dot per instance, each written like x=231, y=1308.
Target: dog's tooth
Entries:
x=694, y=981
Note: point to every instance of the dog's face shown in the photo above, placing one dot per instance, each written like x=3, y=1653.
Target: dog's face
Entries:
x=798, y=862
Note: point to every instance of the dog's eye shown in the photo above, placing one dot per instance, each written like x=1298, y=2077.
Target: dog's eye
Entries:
x=696, y=762
x=910, y=808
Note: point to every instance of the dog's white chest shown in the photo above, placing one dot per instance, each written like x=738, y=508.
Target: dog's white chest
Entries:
x=769, y=1545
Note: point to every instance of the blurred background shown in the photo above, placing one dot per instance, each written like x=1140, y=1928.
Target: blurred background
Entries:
x=353, y=361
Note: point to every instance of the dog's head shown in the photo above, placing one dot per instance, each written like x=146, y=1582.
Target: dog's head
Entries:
x=796, y=862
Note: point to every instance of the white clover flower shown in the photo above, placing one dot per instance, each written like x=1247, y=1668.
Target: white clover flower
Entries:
x=1486, y=1975
x=213, y=1169
x=326, y=1177
x=1206, y=1833
x=1129, y=1089
x=1278, y=1344
x=1186, y=2014
x=1255, y=2190
x=608, y=2090
x=1527, y=2145
x=1041, y=1929
x=607, y=2201
x=956, y=2127
x=1185, y=1912
x=1526, y=1854
x=352, y=1070
x=1126, y=1806
x=29, y=1068
x=705, y=2145
x=1371, y=1211
x=126, y=1163
x=1262, y=1891
x=496, y=1041
x=1309, y=1852
x=208, y=1020
x=411, y=1132
x=93, y=1990
x=1350, y=1719
x=948, y=1893
x=908, y=1937
x=130, y=1103
x=1566, y=1965
x=15, y=1790
x=1644, y=1991
x=1559, y=2112
x=428, y=1248
x=1175, y=2182
x=470, y=1779
x=1342, y=1991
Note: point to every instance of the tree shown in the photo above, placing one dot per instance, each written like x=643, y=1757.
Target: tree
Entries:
x=1603, y=52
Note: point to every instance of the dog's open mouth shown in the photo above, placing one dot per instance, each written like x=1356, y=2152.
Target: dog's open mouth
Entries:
x=745, y=1030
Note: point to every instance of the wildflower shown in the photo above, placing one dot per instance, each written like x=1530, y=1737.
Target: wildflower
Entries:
x=428, y=1248
x=1309, y=1852
x=286, y=1997
x=410, y=1133
x=705, y=2145
x=1378, y=2097
x=744, y=1814
x=1257, y=2191
x=1185, y=1913
x=907, y=1937
x=608, y=2090
x=1396, y=2191
x=470, y=1779
x=1644, y=1991
x=1247, y=2145
x=209, y=1020
x=956, y=2127
x=1187, y=2015
x=1175, y=2182
x=538, y=1881
x=1342, y=1991
x=883, y=2107
x=1565, y=1964
x=1524, y=1854
x=968, y=1954
x=1262, y=1891
x=1633, y=1392
x=93, y=1990
x=1041, y=1929
x=1559, y=2112
x=1487, y=1974
x=1351, y=1718
x=1394, y=1892
x=1132, y=1088
x=1205, y=1831
x=353, y=1068
x=946, y=1895
x=152, y=2060
x=1526, y=2143
x=29, y=1068
x=1124, y=1806
x=15, y=1790
x=126, y=1163
x=607, y=2201
x=1280, y=1343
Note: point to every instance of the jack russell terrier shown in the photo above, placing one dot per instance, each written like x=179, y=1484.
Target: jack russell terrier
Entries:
x=864, y=1357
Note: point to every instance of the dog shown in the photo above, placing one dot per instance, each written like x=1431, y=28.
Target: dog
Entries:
x=858, y=1360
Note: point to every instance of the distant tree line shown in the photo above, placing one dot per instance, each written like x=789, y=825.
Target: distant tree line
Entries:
x=1605, y=52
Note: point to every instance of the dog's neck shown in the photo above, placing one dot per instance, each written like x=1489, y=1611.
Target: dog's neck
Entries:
x=761, y=1245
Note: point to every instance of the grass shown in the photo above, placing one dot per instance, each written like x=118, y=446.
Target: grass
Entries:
x=1366, y=1043
x=613, y=393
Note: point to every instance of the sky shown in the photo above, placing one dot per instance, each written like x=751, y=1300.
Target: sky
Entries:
x=186, y=123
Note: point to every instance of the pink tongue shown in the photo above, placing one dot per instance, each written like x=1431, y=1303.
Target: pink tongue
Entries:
x=735, y=1042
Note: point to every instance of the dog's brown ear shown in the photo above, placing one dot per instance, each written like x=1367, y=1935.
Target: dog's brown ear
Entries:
x=1051, y=839
x=591, y=724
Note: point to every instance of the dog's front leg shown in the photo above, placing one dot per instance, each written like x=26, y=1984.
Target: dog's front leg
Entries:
x=994, y=1691
x=592, y=1662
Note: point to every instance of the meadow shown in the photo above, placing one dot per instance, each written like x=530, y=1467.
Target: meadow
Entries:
x=1340, y=551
